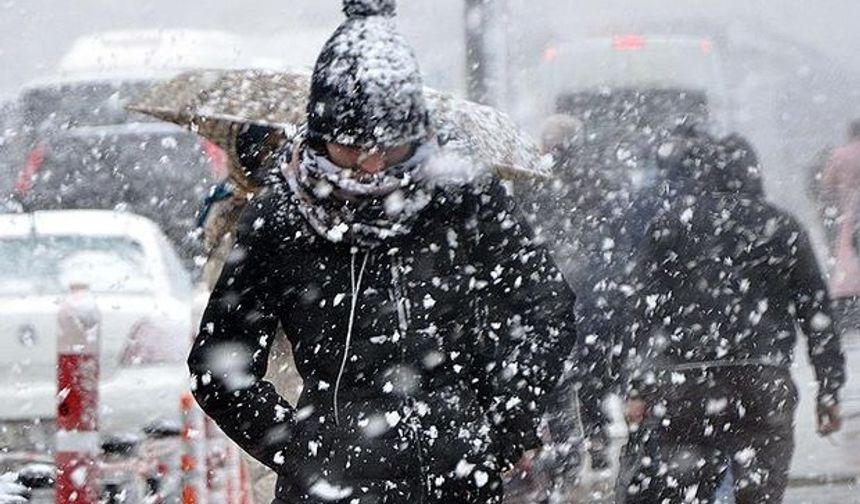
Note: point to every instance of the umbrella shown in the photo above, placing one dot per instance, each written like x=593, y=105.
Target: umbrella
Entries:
x=221, y=104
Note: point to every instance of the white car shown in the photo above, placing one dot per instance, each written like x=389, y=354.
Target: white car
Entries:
x=162, y=52
x=143, y=293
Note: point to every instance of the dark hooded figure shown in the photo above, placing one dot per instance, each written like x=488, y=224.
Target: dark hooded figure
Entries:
x=575, y=213
x=425, y=322
x=724, y=281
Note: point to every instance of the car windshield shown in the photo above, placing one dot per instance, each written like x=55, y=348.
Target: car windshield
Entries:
x=89, y=103
x=49, y=264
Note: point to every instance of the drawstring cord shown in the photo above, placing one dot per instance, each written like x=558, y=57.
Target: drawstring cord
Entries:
x=356, y=287
x=400, y=300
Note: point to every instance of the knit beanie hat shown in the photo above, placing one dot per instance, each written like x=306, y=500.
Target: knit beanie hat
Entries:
x=366, y=89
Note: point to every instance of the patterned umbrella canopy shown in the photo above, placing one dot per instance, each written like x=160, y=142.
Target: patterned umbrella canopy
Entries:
x=219, y=104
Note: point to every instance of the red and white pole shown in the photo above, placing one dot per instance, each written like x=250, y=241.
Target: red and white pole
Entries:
x=193, y=452
x=77, y=438
x=233, y=461
x=216, y=464
x=246, y=495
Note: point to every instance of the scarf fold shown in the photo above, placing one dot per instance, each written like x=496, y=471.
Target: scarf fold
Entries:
x=342, y=206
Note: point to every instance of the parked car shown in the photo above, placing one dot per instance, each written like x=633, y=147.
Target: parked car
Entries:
x=143, y=292
x=87, y=152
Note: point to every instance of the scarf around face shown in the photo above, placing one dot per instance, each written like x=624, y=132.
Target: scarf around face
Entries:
x=342, y=205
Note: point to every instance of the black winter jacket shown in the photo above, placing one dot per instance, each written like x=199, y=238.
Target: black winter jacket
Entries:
x=726, y=279
x=424, y=361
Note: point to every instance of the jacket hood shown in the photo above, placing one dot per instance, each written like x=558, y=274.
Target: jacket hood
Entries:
x=727, y=165
x=739, y=170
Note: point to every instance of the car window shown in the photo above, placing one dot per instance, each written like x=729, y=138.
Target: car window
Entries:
x=11, y=149
x=49, y=264
x=90, y=103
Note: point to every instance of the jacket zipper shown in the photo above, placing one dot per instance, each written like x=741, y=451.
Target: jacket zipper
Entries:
x=403, y=318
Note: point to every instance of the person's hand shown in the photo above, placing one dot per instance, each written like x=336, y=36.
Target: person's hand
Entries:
x=829, y=419
x=635, y=411
x=523, y=467
x=526, y=462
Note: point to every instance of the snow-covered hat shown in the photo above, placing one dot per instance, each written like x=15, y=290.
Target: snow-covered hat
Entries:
x=560, y=131
x=367, y=89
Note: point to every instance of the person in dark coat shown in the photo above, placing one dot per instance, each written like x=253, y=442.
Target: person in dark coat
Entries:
x=581, y=214
x=426, y=323
x=724, y=280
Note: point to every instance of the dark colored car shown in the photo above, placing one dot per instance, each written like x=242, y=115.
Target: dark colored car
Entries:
x=86, y=151
x=631, y=92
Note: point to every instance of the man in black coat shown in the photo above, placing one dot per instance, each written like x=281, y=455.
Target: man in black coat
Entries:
x=426, y=323
x=724, y=281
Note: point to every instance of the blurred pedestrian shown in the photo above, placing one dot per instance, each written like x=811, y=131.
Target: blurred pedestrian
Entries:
x=577, y=214
x=427, y=324
x=724, y=279
x=590, y=203
x=840, y=188
x=560, y=134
